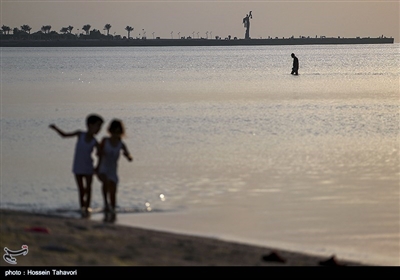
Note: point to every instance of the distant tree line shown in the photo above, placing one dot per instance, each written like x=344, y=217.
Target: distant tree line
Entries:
x=45, y=32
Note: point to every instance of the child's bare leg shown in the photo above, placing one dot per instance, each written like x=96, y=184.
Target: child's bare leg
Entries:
x=113, y=192
x=105, y=190
x=81, y=190
x=88, y=190
x=105, y=196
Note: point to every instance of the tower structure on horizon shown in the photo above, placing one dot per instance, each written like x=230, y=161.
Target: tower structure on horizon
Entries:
x=246, y=22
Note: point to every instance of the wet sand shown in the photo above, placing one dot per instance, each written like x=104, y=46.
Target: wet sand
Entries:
x=60, y=241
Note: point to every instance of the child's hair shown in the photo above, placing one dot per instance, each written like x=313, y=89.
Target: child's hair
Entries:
x=116, y=126
x=93, y=118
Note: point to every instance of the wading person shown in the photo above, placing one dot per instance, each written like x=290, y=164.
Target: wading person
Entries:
x=295, y=69
x=83, y=168
x=110, y=149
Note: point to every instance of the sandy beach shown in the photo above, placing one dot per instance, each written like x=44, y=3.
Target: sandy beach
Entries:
x=59, y=241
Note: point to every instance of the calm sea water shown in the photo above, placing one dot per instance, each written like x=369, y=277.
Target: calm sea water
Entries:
x=226, y=142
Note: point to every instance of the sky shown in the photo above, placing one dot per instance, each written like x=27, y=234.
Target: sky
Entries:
x=207, y=19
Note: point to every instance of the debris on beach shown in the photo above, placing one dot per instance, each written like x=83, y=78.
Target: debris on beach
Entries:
x=332, y=261
x=273, y=257
x=38, y=229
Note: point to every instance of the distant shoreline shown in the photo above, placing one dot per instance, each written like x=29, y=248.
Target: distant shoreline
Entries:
x=191, y=42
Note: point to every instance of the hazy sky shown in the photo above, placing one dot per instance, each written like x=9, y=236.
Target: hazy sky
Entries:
x=281, y=18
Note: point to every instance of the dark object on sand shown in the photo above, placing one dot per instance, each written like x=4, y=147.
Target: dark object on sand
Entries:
x=38, y=229
x=273, y=257
x=332, y=261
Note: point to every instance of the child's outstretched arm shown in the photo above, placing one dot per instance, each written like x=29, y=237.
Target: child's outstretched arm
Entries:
x=62, y=133
x=126, y=152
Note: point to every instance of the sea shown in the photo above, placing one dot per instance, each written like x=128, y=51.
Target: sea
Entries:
x=226, y=142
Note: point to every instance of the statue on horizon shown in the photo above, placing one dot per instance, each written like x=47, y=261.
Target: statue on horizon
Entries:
x=246, y=22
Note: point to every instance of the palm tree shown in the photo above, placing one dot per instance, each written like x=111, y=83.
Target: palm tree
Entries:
x=129, y=29
x=64, y=30
x=26, y=28
x=70, y=29
x=6, y=29
x=46, y=28
x=86, y=28
x=107, y=27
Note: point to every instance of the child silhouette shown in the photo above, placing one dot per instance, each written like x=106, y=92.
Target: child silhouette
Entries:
x=83, y=168
x=110, y=149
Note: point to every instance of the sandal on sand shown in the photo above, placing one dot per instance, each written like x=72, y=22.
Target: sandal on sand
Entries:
x=330, y=262
x=273, y=257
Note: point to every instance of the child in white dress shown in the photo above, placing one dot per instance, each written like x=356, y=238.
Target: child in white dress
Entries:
x=110, y=149
x=83, y=163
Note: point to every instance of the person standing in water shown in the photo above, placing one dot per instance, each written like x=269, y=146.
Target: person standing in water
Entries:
x=83, y=168
x=295, y=69
x=110, y=149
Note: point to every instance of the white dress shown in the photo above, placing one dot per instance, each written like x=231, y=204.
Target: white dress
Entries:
x=83, y=161
x=109, y=160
